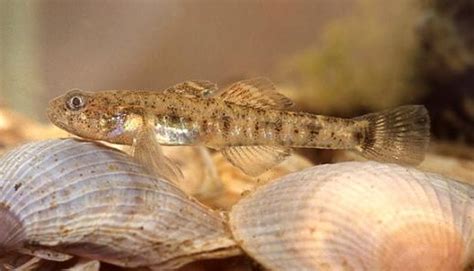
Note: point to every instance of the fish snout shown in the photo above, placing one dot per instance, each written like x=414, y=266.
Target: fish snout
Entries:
x=56, y=112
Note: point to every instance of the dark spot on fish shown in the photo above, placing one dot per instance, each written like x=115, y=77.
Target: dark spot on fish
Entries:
x=134, y=103
x=17, y=186
x=369, y=139
x=226, y=121
x=204, y=125
x=296, y=131
x=278, y=125
x=174, y=118
x=313, y=131
x=260, y=112
x=256, y=129
x=359, y=136
x=172, y=110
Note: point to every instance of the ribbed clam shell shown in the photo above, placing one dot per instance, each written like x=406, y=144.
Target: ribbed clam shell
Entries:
x=85, y=199
x=358, y=216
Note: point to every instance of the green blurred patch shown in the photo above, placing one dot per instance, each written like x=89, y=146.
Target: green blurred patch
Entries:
x=364, y=61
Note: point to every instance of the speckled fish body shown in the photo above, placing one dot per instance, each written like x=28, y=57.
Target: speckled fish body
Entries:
x=181, y=120
x=247, y=117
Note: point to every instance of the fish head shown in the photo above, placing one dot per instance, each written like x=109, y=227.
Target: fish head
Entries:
x=93, y=115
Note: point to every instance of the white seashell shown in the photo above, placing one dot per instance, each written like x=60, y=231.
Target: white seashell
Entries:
x=358, y=216
x=84, y=199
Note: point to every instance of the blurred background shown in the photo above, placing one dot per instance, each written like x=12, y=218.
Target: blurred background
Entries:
x=341, y=58
x=49, y=47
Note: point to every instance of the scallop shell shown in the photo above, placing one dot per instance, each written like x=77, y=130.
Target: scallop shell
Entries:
x=358, y=216
x=84, y=199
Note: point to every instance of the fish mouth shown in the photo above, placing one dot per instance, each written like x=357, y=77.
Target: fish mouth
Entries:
x=54, y=120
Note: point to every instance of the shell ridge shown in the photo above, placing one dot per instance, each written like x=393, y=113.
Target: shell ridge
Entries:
x=84, y=179
x=26, y=160
x=430, y=196
x=77, y=197
x=65, y=173
x=364, y=249
x=373, y=169
x=464, y=212
x=7, y=170
x=11, y=230
x=352, y=243
x=444, y=197
x=358, y=188
x=30, y=152
x=8, y=160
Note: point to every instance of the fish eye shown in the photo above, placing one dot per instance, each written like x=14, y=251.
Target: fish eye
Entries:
x=75, y=101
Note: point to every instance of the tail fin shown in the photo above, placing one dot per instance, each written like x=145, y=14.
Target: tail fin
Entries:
x=400, y=135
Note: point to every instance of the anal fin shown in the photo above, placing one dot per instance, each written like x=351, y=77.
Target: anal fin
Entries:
x=255, y=160
x=147, y=151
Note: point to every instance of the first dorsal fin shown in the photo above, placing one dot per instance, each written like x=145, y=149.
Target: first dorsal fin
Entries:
x=258, y=93
x=195, y=88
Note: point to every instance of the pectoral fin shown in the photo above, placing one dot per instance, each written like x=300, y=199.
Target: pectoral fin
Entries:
x=255, y=160
x=257, y=93
x=197, y=88
x=147, y=151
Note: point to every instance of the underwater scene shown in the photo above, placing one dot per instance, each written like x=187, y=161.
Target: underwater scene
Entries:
x=237, y=135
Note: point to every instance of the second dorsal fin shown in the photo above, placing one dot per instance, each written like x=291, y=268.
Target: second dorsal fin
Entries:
x=257, y=92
